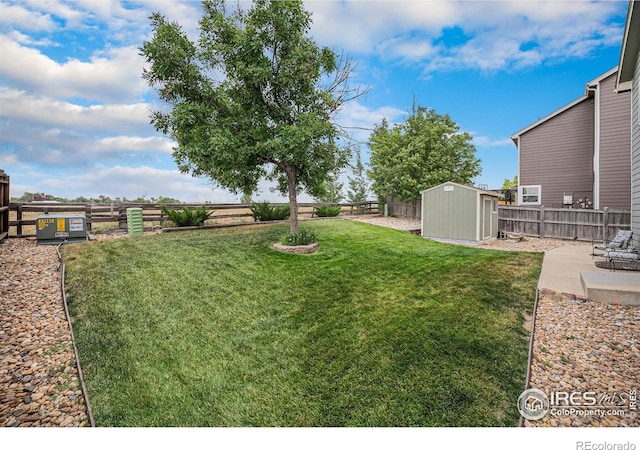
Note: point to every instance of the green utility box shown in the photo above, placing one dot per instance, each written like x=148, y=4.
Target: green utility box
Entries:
x=53, y=229
x=135, y=224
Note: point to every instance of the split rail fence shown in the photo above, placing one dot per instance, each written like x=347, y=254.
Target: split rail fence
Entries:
x=21, y=217
x=4, y=205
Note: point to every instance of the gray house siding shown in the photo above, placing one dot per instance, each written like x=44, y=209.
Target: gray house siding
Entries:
x=615, y=141
x=635, y=154
x=558, y=155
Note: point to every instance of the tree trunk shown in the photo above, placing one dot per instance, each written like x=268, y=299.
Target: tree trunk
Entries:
x=293, y=198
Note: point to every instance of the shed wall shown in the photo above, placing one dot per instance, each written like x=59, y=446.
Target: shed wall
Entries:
x=450, y=214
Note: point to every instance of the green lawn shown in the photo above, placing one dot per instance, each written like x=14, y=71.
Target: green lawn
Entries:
x=378, y=328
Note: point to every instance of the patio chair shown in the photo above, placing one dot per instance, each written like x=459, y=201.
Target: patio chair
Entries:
x=620, y=243
x=621, y=260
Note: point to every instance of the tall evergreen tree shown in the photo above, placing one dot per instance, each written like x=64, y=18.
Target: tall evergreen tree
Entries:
x=358, y=185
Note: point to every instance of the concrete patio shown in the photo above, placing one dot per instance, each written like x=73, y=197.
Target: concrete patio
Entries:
x=572, y=270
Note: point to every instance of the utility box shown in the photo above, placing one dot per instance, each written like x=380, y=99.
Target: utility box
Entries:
x=135, y=224
x=53, y=229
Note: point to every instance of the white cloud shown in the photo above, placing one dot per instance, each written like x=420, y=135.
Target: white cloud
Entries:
x=497, y=33
x=24, y=108
x=131, y=182
x=359, y=120
x=134, y=144
x=119, y=181
x=407, y=49
x=25, y=19
x=113, y=76
x=480, y=140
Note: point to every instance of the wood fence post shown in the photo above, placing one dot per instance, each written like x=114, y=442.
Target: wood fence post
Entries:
x=122, y=216
x=87, y=213
x=541, y=231
x=19, y=220
x=605, y=224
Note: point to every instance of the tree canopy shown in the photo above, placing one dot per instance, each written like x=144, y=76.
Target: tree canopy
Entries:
x=254, y=97
x=508, y=184
x=424, y=151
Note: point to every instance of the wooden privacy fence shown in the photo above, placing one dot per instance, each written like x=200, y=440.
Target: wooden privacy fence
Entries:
x=562, y=223
x=410, y=210
x=114, y=215
x=4, y=205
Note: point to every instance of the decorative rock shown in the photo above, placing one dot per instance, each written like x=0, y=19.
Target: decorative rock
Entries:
x=586, y=348
x=35, y=342
x=297, y=249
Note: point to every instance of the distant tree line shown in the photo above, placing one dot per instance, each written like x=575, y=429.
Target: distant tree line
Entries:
x=41, y=197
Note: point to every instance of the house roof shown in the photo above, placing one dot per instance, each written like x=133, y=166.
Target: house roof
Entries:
x=587, y=94
x=630, y=48
x=472, y=188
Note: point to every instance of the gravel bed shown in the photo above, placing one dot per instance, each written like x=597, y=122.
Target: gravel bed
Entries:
x=528, y=244
x=39, y=384
x=585, y=346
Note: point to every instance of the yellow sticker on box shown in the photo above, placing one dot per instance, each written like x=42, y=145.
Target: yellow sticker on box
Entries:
x=43, y=223
x=61, y=225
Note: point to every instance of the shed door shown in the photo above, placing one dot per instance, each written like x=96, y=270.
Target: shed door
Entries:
x=487, y=232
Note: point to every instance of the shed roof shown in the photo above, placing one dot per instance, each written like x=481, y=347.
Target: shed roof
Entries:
x=473, y=188
x=630, y=48
x=587, y=94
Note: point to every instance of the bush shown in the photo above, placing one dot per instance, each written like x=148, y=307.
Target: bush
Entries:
x=187, y=217
x=265, y=211
x=302, y=237
x=328, y=211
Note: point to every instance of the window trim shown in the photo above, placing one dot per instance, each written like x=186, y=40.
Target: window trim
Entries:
x=521, y=195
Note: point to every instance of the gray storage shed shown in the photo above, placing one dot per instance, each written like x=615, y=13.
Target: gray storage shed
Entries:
x=459, y=213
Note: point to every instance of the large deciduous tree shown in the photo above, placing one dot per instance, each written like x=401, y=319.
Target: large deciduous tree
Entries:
x=253, y=98
x=424, y=151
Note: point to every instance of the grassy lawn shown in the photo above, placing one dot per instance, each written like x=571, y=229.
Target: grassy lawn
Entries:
x=378, y=328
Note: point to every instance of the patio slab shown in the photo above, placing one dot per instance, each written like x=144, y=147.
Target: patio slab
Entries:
x=561, y=268
x=612, y=287
x=572, y=270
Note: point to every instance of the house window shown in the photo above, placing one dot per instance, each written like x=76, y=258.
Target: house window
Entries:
x=495, y=205
x=530, y=195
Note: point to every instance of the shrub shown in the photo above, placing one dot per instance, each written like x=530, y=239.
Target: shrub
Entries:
x=302, y=237
x=265, y=211
x=187, y=217
x=328, y=211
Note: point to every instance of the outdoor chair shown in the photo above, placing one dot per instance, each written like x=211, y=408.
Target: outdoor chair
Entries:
x=620, y=243
x=620, y=260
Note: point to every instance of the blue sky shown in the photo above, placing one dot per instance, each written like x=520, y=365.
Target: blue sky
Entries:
x=74, y=110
